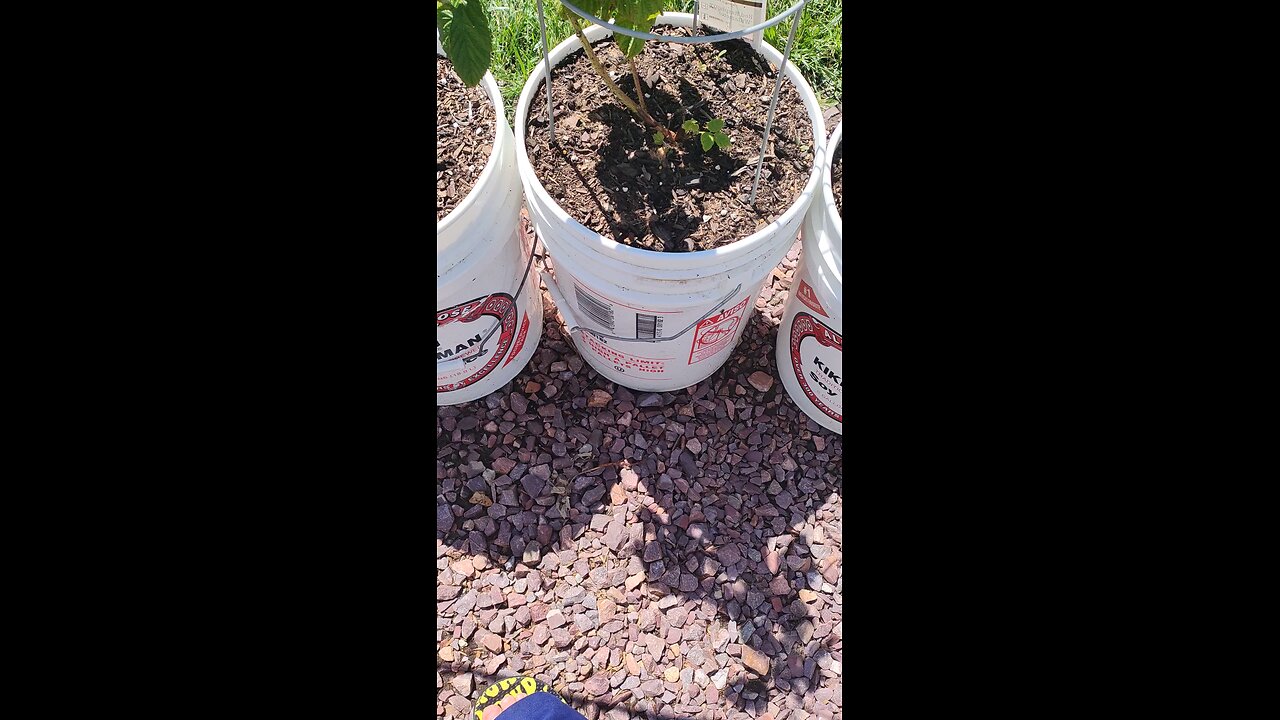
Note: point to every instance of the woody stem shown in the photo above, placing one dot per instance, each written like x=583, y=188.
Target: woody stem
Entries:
x=636, y=110
x=639, y=92
x=604, y=74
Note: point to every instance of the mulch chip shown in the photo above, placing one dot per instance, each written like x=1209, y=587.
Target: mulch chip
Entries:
x=465, y=124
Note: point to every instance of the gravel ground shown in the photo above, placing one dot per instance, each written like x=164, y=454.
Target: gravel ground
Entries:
x=650, y=555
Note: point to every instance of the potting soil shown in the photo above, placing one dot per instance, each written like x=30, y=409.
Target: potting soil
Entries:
x=464, y=137
x=606, y=172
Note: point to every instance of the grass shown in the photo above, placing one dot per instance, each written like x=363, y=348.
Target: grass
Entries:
x=517, y=39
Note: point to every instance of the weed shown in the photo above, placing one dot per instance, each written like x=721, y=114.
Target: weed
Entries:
x=712, y=134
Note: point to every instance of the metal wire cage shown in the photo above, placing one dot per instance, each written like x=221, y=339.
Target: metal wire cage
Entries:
x=794, y=12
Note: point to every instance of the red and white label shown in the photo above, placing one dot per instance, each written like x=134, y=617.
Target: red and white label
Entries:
x=453, y=314
x=716, y=333
x=625, y=362
x=807, y=296
x=461, y=333
x=816, y=359
x=524, y=332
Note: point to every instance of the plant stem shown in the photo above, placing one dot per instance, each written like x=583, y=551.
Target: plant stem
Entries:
x=604, y=74
x=636, y=110
x=639, y=92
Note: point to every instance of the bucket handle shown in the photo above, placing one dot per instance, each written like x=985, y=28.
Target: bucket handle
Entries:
x=515, y=307
x=569, y=319
x=573, y=325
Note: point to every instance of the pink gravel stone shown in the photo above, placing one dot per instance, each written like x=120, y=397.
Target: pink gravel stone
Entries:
x=492, y=641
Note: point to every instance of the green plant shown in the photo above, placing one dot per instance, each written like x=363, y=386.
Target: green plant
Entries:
x=712, y=134
x=517, y=44
x=635, y=15
x=464, y=32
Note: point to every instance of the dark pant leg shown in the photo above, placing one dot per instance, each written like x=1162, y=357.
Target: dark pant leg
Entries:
x=541, y=706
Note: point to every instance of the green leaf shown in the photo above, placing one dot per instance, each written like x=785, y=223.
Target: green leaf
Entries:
x=602, y=9
x=657, y=138
x=722, y=140
x=707, y=142
x=715, y=126
x=690, y=126
x=635, y=15
x=464, y=33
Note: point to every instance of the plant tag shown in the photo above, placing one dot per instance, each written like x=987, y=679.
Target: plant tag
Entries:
x=731, y=15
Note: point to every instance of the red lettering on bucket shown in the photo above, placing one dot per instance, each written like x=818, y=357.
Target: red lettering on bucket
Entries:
x=716, y=332
x=515, y=350
x=804, y=325
x=498, y=305
x=444, y=317
x=624, y=362
x=807, y=296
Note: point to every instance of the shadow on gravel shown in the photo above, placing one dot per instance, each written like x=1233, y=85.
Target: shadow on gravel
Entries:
x=732, y=549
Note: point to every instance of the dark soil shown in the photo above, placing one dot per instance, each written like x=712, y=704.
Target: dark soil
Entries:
x=465, y=124
x=837, y=167
x=605, y=171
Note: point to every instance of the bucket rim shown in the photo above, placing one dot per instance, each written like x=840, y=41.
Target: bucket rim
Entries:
x=735, y=251
x=834, y=220
x=490, y=86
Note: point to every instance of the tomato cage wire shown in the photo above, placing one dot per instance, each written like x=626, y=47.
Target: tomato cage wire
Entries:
x=794, y=12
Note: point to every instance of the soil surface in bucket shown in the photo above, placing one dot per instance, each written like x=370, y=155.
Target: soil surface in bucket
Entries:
x=465, y=124
x=837, y=166
x=606, y=171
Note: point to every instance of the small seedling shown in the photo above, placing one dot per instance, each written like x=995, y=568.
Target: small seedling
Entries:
x=713, y=134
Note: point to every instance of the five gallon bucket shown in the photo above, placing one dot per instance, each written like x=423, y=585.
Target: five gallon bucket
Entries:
x=488, y=304
x=647, y=320
x=810, y=339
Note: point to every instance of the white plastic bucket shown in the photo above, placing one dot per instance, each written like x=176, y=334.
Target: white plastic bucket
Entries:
x=810, y=339
x=648, y=320
x=488, y=304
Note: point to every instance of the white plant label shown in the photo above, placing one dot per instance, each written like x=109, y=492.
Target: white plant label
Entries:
x=731, y=15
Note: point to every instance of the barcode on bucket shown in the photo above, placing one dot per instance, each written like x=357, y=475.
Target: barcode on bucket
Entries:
x=648, y=327
x=595, y=308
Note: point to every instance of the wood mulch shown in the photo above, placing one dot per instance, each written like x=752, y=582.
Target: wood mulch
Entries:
x=606, y=174
x=465, y=129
